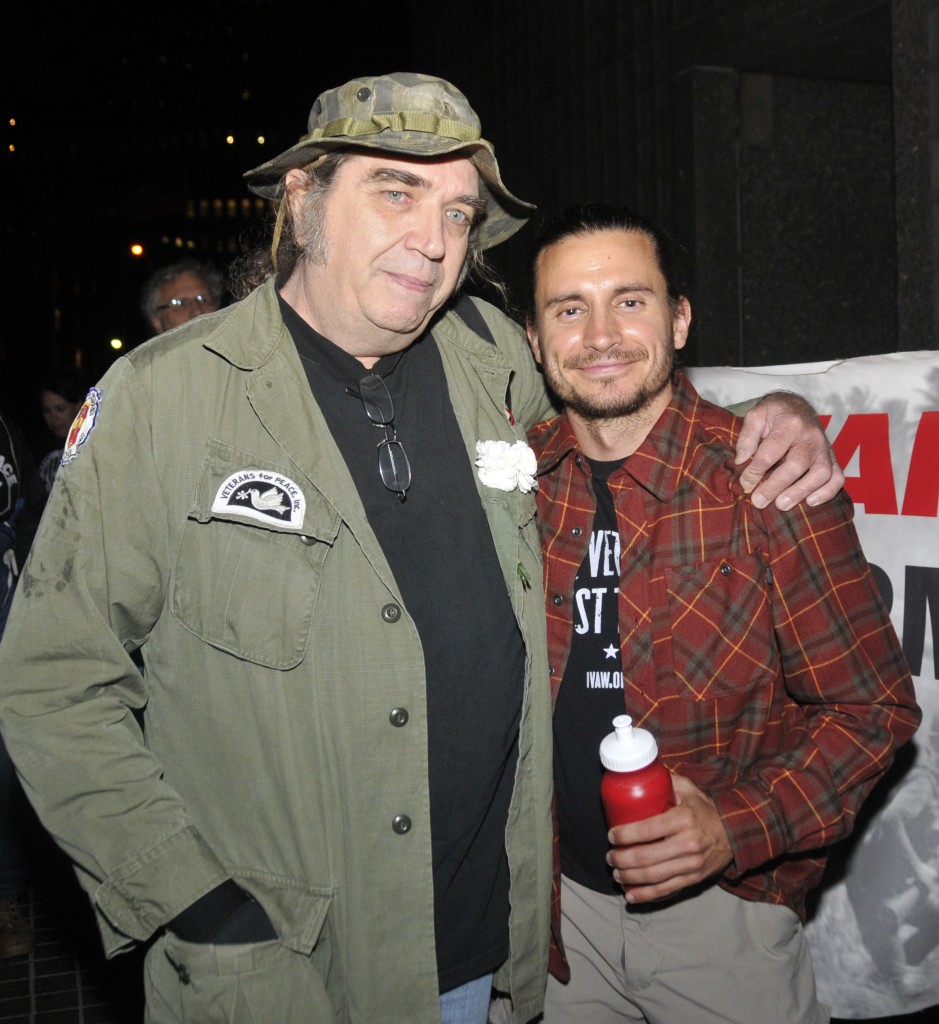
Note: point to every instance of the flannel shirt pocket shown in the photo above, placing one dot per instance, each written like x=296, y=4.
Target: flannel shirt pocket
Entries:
x=723, y=644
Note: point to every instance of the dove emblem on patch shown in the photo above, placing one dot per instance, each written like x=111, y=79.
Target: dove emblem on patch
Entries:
x=266, y=497
x=270, y=501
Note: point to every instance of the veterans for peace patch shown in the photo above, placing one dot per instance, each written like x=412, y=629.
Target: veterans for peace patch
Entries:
x=82, y=425
x=261, y=495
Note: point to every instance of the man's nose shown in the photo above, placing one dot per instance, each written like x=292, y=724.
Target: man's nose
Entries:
x=427, y=232
x=600, y=330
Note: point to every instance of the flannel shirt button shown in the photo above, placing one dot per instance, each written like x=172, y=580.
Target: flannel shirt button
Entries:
x=391, y=613
x=576, y=531
x=401, y=824
x=398, y=717
x=725, y=569
x=304, y=539
x=558, y=600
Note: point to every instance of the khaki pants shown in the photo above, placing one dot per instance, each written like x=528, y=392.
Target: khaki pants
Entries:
x=710, y=958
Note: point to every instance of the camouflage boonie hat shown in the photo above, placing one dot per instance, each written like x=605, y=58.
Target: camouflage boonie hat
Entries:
x=408, y=115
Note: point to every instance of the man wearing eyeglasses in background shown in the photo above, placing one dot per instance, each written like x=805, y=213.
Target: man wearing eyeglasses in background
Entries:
x=310, y=514
x=180, y=292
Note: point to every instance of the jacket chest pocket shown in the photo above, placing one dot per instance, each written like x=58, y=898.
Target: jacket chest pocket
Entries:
x=722, y=637
x=250, y=559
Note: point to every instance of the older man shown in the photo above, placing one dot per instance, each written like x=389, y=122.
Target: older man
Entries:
x=328, y=794
x=180, y=292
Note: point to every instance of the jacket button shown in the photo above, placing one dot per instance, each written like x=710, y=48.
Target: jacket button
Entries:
x=398, y=716
x=391, y=613
x=725, y=569
x=304, y=539
x=576, y=532
x=181, y=969
x=558, y=600
x=401, y=824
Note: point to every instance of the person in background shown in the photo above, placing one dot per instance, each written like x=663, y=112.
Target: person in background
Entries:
x=328, y=796
x=752, y=643
x=60, y=397
x=180, y=292
x=22, y=500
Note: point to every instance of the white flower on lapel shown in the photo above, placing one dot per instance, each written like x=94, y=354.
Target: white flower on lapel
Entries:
x=505, y=466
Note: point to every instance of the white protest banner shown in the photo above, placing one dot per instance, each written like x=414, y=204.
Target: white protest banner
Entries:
x=874, y=932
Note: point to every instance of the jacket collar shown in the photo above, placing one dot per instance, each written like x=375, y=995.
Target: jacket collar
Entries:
x=235, y=338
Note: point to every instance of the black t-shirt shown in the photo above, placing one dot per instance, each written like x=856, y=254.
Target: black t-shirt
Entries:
x=590, y=697
x=441, y=552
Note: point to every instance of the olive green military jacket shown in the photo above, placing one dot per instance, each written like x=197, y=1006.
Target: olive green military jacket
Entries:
x=277, y=655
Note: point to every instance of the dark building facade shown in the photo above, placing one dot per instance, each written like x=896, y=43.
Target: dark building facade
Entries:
x=789, y=145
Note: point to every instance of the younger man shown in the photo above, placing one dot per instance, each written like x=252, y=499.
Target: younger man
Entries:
x=751, y=642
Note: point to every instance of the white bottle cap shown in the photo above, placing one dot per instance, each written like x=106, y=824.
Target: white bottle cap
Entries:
x=628, y=748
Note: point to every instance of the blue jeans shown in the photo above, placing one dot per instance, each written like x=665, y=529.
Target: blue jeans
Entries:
x=467, y=1004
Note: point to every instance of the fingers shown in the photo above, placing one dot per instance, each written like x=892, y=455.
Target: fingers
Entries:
x=807, y=473
x=827, y=490
x=650, y=868
x=671, y=851
x=751, y=433
x=675, y=876
x=771, y=436
x=790, y=458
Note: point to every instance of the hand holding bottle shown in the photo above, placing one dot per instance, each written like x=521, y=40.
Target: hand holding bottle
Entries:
x=659, y=856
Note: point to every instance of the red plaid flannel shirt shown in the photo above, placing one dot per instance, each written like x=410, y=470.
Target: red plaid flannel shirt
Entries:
x=754, y=643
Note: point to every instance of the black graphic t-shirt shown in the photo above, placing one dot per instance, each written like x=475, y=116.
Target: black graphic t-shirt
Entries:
x=590, y=697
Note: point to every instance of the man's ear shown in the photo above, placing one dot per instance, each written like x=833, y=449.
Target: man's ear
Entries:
x=532, y=333
x=681, y=322
x=295, y=185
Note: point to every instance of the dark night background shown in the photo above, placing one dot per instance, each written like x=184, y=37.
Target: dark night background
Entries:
x=792, y=146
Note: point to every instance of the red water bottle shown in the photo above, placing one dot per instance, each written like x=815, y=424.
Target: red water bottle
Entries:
x=635, y=784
